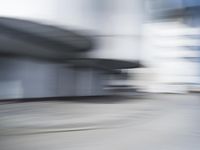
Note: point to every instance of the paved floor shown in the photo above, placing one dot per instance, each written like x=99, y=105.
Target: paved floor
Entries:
x=157, y=122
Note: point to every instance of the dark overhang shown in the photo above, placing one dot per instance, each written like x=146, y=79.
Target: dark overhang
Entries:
x=27, y=38
x=106, y=64
x=31, y=38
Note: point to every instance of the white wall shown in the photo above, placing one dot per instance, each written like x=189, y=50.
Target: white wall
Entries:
x=164, y=45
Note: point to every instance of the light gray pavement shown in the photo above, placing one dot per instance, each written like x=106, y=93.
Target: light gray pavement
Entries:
x=160, y=122
x=52, y=116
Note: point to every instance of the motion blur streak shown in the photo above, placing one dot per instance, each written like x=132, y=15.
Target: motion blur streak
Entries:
x=99, y=74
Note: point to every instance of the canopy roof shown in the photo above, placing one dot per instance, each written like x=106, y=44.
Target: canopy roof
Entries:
x=108, y=64
x=27, y=37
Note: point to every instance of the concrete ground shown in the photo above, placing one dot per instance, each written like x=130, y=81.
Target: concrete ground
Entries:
x=154, y=122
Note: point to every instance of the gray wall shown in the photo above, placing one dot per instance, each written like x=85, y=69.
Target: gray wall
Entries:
x=25, y=78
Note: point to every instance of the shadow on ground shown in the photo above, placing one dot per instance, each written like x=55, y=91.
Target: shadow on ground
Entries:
x=84, y=99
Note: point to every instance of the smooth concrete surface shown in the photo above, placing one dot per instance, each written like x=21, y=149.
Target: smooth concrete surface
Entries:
x=156, y=122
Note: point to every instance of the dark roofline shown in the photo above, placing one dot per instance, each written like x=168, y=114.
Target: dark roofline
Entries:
x=59, y=40
x=105, y=64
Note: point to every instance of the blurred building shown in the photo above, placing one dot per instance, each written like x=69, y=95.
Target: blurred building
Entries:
x=41, y=56
x=172, y=42
x=40, y=60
